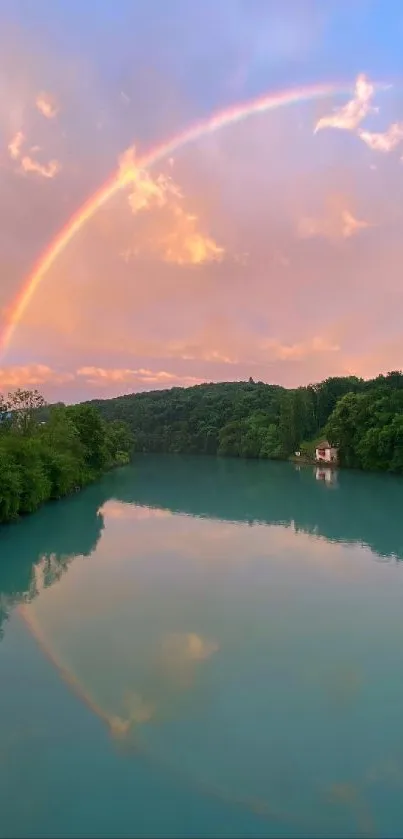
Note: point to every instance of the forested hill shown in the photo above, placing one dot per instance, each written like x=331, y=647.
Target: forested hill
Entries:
x=253, y=419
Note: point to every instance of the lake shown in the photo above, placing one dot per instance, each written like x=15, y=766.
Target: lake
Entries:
x=205, y=647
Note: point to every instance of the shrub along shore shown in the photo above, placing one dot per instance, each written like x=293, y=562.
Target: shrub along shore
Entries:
x=41, y=460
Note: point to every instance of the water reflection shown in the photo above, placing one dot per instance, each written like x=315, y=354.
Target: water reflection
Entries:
x=37, y=551
x=366, y=509
x=325, y=474
x=240, y=657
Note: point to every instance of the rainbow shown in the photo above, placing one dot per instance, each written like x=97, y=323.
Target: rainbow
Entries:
x=33, y=625
x=213, y=123
x=120, y=731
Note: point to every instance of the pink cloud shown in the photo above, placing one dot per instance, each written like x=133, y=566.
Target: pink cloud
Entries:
x=340, y=225
x=105, y=377
x=165, y=314
x=386, y=141
x=32, y=375
x=46, y=105
x=178, y=237
x=299, y=351
x=26, y=162
x=15, y=145
x=46, y=170
x=43, y=376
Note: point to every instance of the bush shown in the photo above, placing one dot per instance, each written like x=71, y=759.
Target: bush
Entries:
x=50, y=459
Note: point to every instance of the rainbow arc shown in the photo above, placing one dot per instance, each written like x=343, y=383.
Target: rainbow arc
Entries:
x=115, y=183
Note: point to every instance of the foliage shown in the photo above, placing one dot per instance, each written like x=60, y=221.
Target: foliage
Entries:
x=47, y=459
x=120, y=442
x=368, y=426
x=23, y=404
x=47, y=452
x=10, y=486
x=92, y=435
x=251, y=419
x=231, y=418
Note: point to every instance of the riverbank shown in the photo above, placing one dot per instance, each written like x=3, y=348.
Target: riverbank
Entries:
x=47, y=461
x=304, y=460
x=364, y=419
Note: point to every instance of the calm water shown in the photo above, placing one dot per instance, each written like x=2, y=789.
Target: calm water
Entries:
x=201, y=647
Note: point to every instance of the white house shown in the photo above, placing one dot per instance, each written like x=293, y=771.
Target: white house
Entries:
x=325, y=453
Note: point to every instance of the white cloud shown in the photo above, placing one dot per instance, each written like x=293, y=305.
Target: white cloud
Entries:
x=349, y=117
x=386, y=141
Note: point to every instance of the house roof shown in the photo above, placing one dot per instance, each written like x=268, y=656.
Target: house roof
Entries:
x=324, y=445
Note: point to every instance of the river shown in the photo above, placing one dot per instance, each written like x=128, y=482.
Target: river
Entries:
x=205, y=647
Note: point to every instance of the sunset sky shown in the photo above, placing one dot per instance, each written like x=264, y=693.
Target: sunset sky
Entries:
x=270, y=246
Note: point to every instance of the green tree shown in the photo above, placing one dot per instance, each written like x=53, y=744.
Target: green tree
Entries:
x=92, y=435
x=24, y=405
x=51, y=458
x=120, y=441
x=230, y=438
x=25, y=452
x=289, y=423
x=346, y=425
x=271, y=445
x=62, y=452
x=10, y=486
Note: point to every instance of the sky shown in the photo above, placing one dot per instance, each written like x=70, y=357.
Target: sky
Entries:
x=268, y=246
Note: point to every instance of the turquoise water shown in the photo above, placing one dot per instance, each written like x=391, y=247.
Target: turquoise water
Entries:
x=202, y=647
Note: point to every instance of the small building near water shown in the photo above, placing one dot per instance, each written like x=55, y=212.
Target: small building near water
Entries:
x=325, y=453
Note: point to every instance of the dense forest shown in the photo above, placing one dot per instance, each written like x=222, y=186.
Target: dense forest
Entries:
x=252, y=419
x=42, y=460
x=47, y=452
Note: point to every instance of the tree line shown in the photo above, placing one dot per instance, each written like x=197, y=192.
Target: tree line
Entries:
x=364, y=419
x=47, y=458
x=47, y=452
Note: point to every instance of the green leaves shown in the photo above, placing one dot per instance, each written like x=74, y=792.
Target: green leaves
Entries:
x=119, y=441
x=10, y=486
x=368, y=427
x=35, y=486
x=50, y=459
x=23, y=405
x=48, y=452
x=252, y=419
x=92, y=435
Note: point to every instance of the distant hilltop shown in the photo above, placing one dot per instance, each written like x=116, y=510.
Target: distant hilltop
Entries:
x=361, y=419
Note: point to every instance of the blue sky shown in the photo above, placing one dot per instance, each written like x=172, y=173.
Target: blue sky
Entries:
x=205, y=46
x=213, y=53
